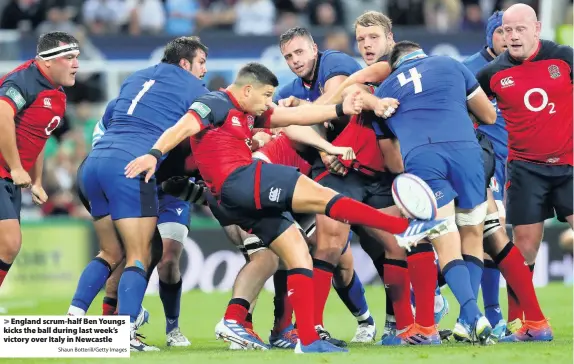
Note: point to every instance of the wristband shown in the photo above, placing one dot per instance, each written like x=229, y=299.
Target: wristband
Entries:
x=156, y=153
x=339, y=110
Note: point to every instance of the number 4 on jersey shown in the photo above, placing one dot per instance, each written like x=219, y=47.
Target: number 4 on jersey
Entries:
x=415, y=79
x=146, y=86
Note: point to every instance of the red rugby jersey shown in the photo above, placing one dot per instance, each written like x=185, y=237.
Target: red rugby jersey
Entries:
x=224, y=143
x=39, y=107
x=535, y=98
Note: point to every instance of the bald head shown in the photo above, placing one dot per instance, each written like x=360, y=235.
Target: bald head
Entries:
x=521, y=12
x=521, y=31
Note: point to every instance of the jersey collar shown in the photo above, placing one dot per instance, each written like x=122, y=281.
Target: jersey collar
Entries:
x=486, y=55
x=315, y=73
x=529, y=59
x=232, y=98
x=46, y=77
x=410, y=56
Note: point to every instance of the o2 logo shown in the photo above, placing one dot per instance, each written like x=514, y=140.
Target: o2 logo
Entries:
x=544, y=103
x=52, y=125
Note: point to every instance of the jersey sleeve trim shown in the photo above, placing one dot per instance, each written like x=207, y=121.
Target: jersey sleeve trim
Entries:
x=200, y=121
x=10, y=102
x=473, y=91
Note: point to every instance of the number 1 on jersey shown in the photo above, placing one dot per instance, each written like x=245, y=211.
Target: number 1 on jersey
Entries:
x=146, y=86
x=415, y=79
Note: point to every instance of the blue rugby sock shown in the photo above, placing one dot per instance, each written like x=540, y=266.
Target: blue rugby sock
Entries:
x=475, y=267
x=490, y=291
x=458, y=279
x=91, y=282
x=131, y=291
x=353, y=296
x=170, y=295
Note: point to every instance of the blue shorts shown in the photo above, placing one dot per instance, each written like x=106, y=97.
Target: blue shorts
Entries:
x=172, y=209
x=109, y=192
x=454, y=171
x=257, y=197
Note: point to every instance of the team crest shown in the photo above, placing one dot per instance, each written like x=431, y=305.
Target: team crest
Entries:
x=554, y=71
x=250, y=121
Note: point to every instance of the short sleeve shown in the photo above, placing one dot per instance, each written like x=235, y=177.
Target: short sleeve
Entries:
x=483, y=78
x=471, y=84
x=382, y=130
x=338, y=64
x=211, y=109
x=14, y=95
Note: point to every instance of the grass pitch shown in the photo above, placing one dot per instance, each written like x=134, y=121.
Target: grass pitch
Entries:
x=201, y=311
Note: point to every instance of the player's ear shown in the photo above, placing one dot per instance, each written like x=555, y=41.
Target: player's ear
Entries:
x=185, y=64
x=247, y=89
x=315, y=49
x=538, y=28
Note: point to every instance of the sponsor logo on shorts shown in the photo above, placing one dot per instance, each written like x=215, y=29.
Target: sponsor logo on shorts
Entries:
x=438, y=195
x=554, y=71
x=552, y=160
x=179, y=211
x=507, y=82
x=200, y=108
x=17, y=97
x=274, y=194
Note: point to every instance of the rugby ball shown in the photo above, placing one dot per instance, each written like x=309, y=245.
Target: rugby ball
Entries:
x=413, y=197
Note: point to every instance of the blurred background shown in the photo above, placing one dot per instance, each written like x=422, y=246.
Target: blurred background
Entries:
x=120, y=36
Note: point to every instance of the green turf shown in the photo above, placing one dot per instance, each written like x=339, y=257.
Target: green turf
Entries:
x=201, y=311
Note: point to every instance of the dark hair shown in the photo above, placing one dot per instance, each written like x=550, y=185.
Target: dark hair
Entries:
x=294, y=33
x=254, y=72
x=52, y=40
x=182, y=47
x=400, y=49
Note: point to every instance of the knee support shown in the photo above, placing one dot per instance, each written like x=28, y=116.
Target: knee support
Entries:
x=450, y=228
x=173, y=231
x=474, y=217
x=491, y=224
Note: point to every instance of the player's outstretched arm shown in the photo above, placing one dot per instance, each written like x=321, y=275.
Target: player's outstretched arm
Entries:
x=308, y=136
x=8, y=146
x=315, y=114
x=186, y=127
x=479, y=105
x=374, y=73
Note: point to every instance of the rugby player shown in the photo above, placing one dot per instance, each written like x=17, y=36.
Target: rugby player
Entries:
x=444, y=152
x=32, y=105
x=220, y=122
x=150, y=101
x=532, y=82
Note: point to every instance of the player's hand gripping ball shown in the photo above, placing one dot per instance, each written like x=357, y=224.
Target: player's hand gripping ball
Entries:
x=414, y=198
